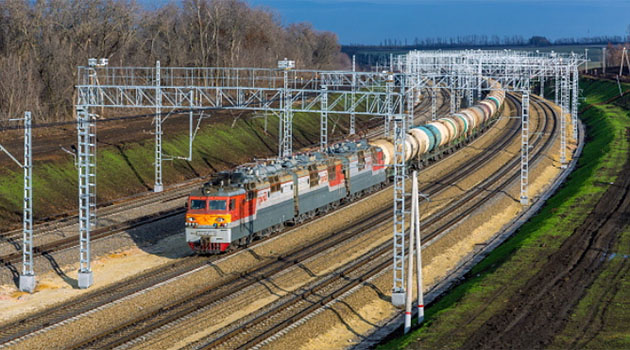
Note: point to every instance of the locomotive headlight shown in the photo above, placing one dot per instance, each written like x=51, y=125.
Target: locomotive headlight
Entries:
x=220, y=219
x=191, y=219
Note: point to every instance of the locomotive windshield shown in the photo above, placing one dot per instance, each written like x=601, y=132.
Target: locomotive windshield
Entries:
x=197, y=204
x=217, y=204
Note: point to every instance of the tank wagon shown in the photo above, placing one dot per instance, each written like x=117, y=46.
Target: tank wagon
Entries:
x=255, y=200
x=430, y=141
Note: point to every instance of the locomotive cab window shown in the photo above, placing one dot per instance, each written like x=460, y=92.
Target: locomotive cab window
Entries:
x=232, y=204
x=217, y=204
x=197, y=204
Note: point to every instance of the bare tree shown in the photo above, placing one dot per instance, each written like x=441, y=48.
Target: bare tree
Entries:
x=43, y=41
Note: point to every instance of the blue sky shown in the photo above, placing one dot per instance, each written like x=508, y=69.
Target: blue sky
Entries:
x=371, y=21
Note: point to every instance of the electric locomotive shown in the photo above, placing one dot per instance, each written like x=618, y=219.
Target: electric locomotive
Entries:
x=255, y=200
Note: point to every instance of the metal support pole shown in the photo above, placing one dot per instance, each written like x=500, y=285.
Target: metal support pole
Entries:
x=400, y=195
x=412, y=235
x=27, y=278
x=287, y=119
x=352, y=130
x=458, y=91
x=556, y=89
x=586, y=58
x=604, y=60
x=458, y=100
x=190, y=126
x=410, y=92
x=542, y=87
x=416, y=189
x=433, y=101
x=563, y=108
x=479, y=80
x=86, y=130
x=525, y=147
x=323, y=129
x=391, y=62
x=469, y=91
x=158, y=187
x=574, y=101
x=411, y=100
x=389, y=86
x=452, y=92
x=398, y=290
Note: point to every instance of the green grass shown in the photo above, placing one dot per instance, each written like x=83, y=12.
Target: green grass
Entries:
x=490, y=284
x=599, y=91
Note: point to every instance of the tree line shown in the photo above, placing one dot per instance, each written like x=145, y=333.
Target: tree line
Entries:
x=42, y=42
x=476, y=41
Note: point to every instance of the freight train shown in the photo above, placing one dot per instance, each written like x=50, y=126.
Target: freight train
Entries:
x=255, y=200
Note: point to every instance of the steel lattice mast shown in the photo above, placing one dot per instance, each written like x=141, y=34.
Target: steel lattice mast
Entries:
x=27, y=280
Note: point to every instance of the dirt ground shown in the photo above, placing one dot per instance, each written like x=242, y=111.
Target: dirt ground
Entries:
x=542, y=307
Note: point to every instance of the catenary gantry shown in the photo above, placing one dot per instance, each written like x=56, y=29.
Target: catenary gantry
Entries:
x=285, y=90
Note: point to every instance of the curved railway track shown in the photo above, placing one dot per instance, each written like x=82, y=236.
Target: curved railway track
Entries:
x=126, y=332
x=282, y=314
x=203, y=299
x=125, y=288
x=180, y=192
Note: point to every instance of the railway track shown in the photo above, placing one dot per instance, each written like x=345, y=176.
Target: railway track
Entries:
x=283, y=314
x=13, y=238
x=173, y=312
x=126, y=288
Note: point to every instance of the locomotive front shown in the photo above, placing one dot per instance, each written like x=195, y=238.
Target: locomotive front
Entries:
x=211, y=216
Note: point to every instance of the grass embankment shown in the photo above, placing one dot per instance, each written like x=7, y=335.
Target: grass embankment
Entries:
x=490, y=285
x=126, y=169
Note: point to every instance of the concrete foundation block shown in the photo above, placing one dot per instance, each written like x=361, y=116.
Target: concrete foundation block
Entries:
x=86, y=279
x=398, y=299
x=27, y=283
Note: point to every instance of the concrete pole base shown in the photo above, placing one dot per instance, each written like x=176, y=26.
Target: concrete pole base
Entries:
x=158, y=188
x=398, y=299
x=27, y=283
x=86, y=279
x=524, y=201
